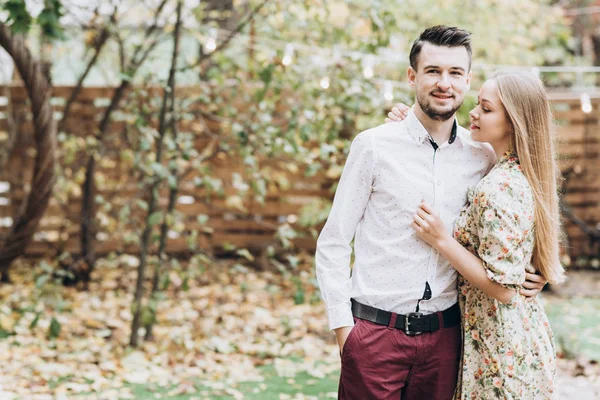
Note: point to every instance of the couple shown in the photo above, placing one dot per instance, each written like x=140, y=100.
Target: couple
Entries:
x=408, y=326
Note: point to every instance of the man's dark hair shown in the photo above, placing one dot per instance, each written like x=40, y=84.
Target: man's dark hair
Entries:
x=440, y=35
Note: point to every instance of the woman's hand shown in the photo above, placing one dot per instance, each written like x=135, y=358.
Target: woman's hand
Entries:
x=398, y=113
x=429, y=226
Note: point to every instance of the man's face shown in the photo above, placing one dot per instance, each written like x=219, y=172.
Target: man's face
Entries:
x=441, y=80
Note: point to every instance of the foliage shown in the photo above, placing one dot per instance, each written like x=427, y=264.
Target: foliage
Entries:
x=19, y=18
x=288, y=117
x=275, y=118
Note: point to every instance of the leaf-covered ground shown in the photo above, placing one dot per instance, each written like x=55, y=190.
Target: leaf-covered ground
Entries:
x=230, y=333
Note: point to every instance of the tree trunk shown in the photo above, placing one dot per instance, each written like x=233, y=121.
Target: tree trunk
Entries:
x=34, y=205
x=88, y=201
x=596, y=47
x=162, y=128
x=88, y=211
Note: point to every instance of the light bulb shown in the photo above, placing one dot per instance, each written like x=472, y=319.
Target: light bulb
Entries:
x=288, y=55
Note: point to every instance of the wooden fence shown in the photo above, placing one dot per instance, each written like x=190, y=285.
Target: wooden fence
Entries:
x=255, y=226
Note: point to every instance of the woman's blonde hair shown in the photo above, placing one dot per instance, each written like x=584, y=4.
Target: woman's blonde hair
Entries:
x=524, y=98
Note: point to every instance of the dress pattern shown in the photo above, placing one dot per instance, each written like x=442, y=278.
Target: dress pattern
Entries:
x=508, y=348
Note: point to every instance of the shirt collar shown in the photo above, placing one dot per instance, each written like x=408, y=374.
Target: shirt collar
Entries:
x=418, y=132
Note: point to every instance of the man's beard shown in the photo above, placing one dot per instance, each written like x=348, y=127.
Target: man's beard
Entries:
x=435, y=114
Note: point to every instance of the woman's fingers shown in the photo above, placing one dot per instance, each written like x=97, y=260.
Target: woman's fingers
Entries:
x=417, y=228
x=529, y=293
x=401, y=108
x=397, y=113
x=423, y=214
x=421, y=222
x=532, y=285
x=426, y=207
x=393, y=117
x=535, y=278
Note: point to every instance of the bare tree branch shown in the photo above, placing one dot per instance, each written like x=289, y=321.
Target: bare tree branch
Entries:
x=98, y=46
x=229, y=37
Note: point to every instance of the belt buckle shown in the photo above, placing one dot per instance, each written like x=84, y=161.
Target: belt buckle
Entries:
x=415, y=315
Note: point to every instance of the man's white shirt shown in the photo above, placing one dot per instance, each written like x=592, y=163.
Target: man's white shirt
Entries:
x=389, y=170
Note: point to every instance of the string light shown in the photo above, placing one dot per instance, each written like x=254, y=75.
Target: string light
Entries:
x=388, y=91
x=288, y=55
x=368, y=63
x=293, y=50
x=211, y=42
x=399, y=58
x=586, y=103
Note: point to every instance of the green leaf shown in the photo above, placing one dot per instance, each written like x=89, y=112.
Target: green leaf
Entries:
x=54, y=330
x=142, y=204
x=18, y=18
x=155, y=218
x=159, y=169
x=35, y=321
x=172, y=180
x=124, y=213
x=266, y=76
x=147, y=316
x=228, y=246
x=165, y=282
x=246, y=254
x=41, y=280
x=202, y=219
x=49, y=17
x=125, y=76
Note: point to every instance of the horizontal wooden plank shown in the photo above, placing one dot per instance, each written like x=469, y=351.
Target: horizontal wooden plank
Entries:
x=179, y=245
x=578, y=145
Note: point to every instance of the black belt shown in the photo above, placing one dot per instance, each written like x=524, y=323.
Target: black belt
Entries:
x=412, y=323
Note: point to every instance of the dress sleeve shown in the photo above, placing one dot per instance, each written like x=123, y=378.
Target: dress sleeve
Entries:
x=501, y=237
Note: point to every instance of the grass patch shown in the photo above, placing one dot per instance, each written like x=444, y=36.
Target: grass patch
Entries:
x=273, y=387
x=576, y=325
x=575, y=322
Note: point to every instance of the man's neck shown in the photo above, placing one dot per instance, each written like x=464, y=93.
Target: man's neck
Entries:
x=440, y=131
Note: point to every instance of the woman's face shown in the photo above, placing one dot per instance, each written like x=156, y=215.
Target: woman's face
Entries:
x=489, y=121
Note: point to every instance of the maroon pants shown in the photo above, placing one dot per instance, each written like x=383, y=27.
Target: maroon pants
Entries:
x=380, y=362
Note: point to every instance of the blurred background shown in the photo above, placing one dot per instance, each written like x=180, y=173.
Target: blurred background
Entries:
x=166, y=167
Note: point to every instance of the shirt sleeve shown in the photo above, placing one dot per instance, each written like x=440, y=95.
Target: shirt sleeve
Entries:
x=333, y=253
x=501, y=239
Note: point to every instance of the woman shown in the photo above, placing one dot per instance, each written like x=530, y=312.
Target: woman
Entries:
x=509, y=226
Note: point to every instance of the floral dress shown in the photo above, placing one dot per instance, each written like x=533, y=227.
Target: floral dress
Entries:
x=508, y=348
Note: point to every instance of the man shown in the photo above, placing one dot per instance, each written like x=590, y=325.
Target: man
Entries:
x=395, y=318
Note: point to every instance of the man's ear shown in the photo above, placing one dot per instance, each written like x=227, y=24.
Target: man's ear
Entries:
x=412, y=76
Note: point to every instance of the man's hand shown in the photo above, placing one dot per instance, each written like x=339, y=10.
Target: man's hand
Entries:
x=533, y=285
x=342, y=335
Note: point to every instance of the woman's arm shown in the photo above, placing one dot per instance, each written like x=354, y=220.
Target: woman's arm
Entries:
x=471, y=268
x=430, y=228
